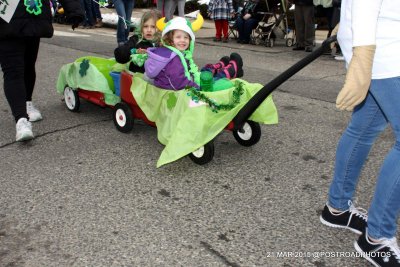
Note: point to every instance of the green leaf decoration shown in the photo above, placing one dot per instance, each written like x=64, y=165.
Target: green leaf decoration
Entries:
x=171, y=102
x=83, y=67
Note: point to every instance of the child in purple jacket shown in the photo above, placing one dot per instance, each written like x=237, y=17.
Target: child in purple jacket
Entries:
x=172, y=66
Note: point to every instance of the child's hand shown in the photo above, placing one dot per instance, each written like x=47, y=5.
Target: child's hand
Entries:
x=141, y=51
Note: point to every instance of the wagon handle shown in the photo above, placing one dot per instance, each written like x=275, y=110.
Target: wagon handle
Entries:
x=254, y=102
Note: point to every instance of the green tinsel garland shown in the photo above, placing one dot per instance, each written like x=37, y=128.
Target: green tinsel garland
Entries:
x=215, y=107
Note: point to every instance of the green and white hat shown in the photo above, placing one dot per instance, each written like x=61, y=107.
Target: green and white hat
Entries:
x=179, y=23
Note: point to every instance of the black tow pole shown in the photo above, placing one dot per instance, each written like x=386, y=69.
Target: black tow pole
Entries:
x=248, y=109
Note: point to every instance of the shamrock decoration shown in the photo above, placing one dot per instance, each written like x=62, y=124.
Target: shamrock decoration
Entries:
x=171, y=102
x=33, y=6
x=84, y=66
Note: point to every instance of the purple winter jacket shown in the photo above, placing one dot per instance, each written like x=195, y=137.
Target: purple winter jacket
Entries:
x=165, y=67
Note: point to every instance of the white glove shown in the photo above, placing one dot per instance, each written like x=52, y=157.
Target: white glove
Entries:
x=358, y=78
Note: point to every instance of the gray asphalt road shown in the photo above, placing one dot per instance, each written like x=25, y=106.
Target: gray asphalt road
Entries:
x=83, y=194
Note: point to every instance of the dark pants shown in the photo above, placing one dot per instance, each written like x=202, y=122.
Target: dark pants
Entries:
x=96, y=11
x=333, y=16
x=89, y=20
x=245, y=27
x=305, y=25
x=17, y=60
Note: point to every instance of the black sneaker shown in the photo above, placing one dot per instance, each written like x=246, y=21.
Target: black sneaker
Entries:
x=353, y=219
x=298, y=48
x=386, y=253
x=308, y=49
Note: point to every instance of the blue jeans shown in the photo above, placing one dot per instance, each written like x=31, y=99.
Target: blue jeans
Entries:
x=89, y=20
x=370, y=118
x=245, y=27
x=124, y=10
x=96, y=10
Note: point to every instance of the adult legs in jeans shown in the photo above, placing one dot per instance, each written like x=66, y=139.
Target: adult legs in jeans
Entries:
x=368, y=120
x=96, y=11
x=124, y=10
x=89, y=20
x=245, y=27
x=17, y=60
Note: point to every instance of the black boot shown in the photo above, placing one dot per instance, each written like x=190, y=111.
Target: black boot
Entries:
x=237, y=62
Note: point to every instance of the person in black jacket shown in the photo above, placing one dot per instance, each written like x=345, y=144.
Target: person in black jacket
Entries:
x=19, y=46
x=305, y=25
x=248, y=20
x=138, y=43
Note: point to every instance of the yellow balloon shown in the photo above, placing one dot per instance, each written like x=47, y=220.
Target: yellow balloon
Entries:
x=196, y=25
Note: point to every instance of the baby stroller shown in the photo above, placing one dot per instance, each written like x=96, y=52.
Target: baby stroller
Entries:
x=274, y=24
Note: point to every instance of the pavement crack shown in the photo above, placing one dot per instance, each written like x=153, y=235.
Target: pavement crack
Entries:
x=56, y=131
x=218, y=254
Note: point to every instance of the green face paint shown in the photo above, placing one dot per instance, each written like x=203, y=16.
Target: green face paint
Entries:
x=33, y=6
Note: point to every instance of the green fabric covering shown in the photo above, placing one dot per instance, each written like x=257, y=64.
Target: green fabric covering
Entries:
x=183, y=125
x=97, y=78
x=118, y=67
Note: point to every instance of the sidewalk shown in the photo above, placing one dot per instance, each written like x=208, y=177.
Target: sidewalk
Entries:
x=207, y=32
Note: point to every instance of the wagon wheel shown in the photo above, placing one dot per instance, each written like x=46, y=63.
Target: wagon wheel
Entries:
x=71, y=99
x=122, y=117
x=289, y=42
x=257, y=41
x=203, y=154
x=249, y=135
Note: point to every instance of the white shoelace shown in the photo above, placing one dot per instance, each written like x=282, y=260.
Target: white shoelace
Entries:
x=360, y=212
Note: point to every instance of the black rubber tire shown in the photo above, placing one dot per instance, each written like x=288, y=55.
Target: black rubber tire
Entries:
x=204, y=154
x=251, y=134
x=71, y=99
x=123, y=117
